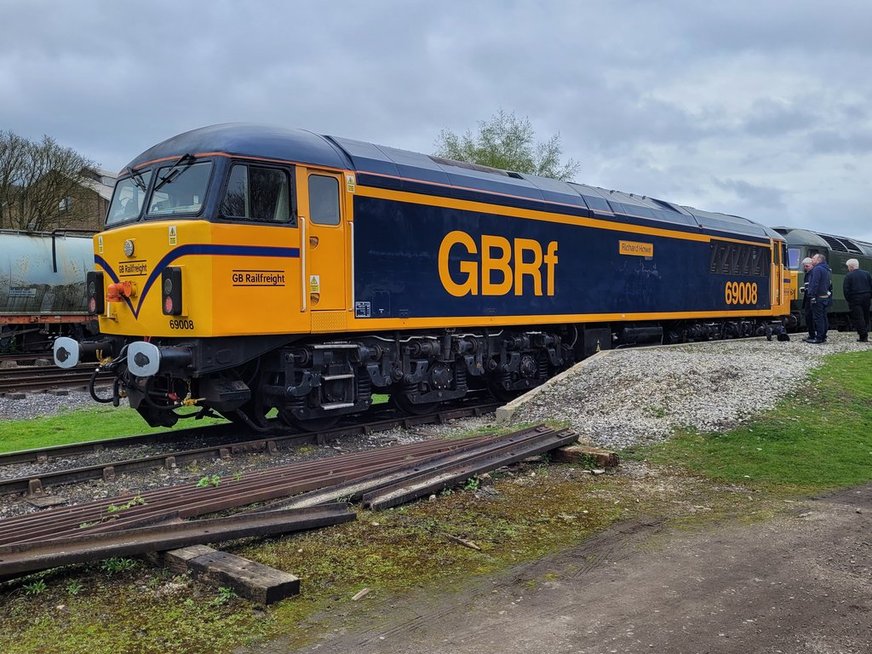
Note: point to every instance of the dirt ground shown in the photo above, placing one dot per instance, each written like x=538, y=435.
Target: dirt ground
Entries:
x=799, y=583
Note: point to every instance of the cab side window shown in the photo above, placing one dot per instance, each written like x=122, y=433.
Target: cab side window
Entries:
x=324, y=199
x=258, y=193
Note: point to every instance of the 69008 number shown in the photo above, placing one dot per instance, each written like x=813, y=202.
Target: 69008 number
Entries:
x=181, y=323
x=740, y=293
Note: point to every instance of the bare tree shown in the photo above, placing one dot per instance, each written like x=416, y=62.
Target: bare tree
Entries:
x=40, y=183
x=507, y=142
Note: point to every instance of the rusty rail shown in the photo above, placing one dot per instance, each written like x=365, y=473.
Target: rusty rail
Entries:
x=149, y=522
x=189, y=500
x=43, y=378
x=23, y=558
x=536, y=441
x=35, y=483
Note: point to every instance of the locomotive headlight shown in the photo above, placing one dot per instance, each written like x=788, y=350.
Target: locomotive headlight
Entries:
x=171, y=285
x=129, y=247
x=94, y=287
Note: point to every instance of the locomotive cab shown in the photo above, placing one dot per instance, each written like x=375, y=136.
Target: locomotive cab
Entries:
x=207, y=263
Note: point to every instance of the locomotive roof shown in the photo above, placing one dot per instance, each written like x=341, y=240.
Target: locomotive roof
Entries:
x=807, y=237
x=404, y=170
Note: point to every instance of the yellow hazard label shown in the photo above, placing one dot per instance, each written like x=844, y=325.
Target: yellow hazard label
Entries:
x=314, y=283
x=173, y=235
x=100, y=244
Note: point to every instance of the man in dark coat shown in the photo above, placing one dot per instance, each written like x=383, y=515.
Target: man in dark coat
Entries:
x=807, y=265
x=819, y=284
x=858, y=293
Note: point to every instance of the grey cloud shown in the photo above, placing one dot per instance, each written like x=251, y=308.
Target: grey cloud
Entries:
x=752, y=194
x=848, y=141
x=637, y=90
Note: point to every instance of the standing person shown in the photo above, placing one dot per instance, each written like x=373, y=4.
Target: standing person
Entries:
x=858, y=293
x=819, y=283
x=807, y=265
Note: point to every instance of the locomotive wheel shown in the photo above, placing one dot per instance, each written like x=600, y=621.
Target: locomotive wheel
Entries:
x=252, y=409
x=315, y=424
x=496, y=389
x=401, y=402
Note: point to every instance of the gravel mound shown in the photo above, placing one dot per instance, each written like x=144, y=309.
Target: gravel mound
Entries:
x=627, y=397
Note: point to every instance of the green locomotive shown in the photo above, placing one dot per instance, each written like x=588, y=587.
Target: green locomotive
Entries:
x=802, y=243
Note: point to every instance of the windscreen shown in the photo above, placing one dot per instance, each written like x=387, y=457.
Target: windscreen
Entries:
x=179, y=189
x=128, y=198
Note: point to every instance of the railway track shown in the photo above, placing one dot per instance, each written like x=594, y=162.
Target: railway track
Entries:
x=160, y=519
x=42, y=378
x=229, y=441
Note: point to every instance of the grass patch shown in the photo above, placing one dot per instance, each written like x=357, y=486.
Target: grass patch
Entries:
x=98, y=423
x=518, y=517
x=818, y=438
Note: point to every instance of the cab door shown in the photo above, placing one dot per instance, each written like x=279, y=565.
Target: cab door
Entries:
x=322, y=218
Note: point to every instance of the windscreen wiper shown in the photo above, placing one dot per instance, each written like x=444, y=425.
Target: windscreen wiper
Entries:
x=136, y=177
x=181, y=164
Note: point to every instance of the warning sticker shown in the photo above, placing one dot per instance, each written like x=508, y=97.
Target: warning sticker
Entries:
x=314, y=283
x=173, y=235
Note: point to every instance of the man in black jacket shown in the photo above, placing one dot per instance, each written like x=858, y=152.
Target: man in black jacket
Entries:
x=819, y=284
x=858, y=293
x=807, y=265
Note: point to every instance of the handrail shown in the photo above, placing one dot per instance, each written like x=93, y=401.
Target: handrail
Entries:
x=304, y=246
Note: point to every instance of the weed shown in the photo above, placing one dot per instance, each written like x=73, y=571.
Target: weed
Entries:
x=74, y=587
x=209, y=480
x=35, y=587
x=117, y=564
x=472, y=484
x=655, y=411
x=225, y=594
x=115, y=508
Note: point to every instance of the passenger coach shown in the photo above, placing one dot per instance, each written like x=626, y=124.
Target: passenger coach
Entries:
x=245, y=268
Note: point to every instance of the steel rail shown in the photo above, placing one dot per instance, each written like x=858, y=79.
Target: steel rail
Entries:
x=189, y=500
x=433, y=481
x=46, y=377
x=20, y=559
x=37, y=482
x=360, y=486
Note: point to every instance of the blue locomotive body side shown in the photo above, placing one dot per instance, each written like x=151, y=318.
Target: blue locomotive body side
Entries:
x=403, y=263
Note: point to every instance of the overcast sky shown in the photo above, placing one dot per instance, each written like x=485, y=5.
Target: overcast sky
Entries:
x=759, y=108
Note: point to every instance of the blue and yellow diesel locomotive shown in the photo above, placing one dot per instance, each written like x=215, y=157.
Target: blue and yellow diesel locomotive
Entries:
x=245, y=269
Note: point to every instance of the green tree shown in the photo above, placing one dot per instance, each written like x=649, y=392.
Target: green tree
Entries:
x=38, y=180
x=507, y=142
